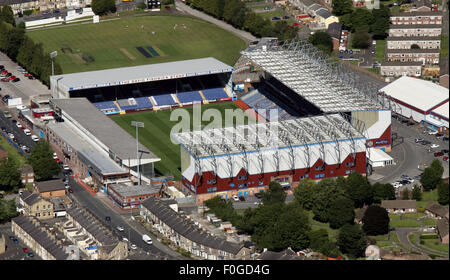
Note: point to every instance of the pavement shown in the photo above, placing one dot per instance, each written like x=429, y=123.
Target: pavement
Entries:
x=25, y=88
x=408, y=155
x=242, y=34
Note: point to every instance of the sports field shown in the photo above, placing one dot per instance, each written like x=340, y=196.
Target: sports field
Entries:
x=113, y=43
x=156, y=134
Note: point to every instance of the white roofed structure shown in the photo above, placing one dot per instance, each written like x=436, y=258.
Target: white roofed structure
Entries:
x=328, y=85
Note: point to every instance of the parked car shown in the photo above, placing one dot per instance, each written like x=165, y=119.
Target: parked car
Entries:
x=432, y=132
x=147, y=239
x=27, y=75
x=107, y=218
x=267, y=8
x=445, y=138
x=425, y=142
x=438, y=154
x=12, y=77
x=433, y=146
x=397, y=185
x=445, y=158
x=4, y=80
x=445, y=151
x=132, y=246
x=34, y=138
x=8, y=75
x=120, y=228
x=16, y=80
x=235, y=198
x=241, y=198
x=418, y=140
x=30, y=254
x=16, y=241
x=31, y=77
x=18, y=125
x=25, y=250
x=27, y=132
x=70, y=190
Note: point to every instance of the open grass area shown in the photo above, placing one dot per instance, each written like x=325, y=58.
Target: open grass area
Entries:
x=436, y=245
x=332, y=233
x=379, y=50
x=156, y=134
x=403, y=223
x=112, y=43
x=414, y=215
x=13, y=153
x=272, y=13
x=444, y=46
x=429, y=222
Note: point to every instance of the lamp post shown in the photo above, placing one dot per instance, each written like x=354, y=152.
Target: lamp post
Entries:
x=137, y=125
x=53, y=54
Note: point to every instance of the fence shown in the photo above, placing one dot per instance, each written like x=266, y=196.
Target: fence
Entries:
x=17, y=147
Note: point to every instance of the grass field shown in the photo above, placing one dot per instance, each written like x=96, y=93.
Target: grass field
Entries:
x=113, y=43
x=156, y=134
x=13, y=153
x=380, y=49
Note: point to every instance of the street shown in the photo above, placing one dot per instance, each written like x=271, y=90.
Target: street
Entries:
x=132, y=230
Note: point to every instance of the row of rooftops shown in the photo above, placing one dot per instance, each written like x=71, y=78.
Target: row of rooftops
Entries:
x=415, y=26
x=417, y=13
x=32, y=227
x=413, y=51
x=414, y=38
x=187, y=228
x=92, y=225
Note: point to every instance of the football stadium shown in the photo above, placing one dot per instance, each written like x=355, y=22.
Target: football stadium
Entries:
x=329, y=122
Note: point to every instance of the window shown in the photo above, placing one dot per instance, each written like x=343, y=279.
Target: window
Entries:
x=211, y=181
x=213, y=189
x=320, y=167
x=243, y=177
x=350, y=164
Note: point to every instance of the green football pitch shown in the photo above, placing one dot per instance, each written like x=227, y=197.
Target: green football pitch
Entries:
x=155, y=134
x=113, y=43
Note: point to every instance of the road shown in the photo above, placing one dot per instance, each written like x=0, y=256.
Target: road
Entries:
x=133, y=231
x=242, y=34
x=14, y=251
x=19, y=137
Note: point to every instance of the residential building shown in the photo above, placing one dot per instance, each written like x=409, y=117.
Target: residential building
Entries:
x=18, y=6
x=335, y=31
x=398, y=68
x=51, y=188
x=421, y=6
x=399, y=206
x=426, y=56
x=27, y=174
x=131, y=196
x=32, y=234
x=92, y=237
x=415, y=30
x=32, y=204
x=417, y=17
x=184, y=233
x=442, y=228
x=287, y=254
x=406, y=42
x=437, y=211
x=325, y=18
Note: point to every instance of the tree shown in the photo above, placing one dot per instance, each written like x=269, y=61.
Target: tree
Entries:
x=275, y=194
x=405, y=194
x=7, y=210
x=342, y=211
x=342, y=7
x=41, y=159
x=317, y=238
x=322, y=40
x=361, y=39
x=304, y=194
x=362, y=19
x=7, y=15
x=443, y=193
x=9, y=175
x=375, y=220
x=359, y=190
x=432, y=175
x=292, y=227
x=351, y=240
x=383, y=192
x=102, y=7
x=381, y=23
x=416, y=193
x=324, y=195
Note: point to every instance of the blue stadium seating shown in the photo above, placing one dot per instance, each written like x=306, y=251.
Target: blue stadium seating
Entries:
x=106, y=105
x=144, y=103
x=189, y=96
x=214, y=93
x=165, y=99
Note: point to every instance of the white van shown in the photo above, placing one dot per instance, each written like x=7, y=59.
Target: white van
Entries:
x=147, y=239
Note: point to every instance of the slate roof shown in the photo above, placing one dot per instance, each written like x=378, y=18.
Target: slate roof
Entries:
x=26, y=169
x=40, y=236
x=31, y=198
x=442, y=227
x=287, y=254
x=51, y=185
x=335, y=30
x=390, y=204
x=437, y=210
x=187, y=228
x=94, y=227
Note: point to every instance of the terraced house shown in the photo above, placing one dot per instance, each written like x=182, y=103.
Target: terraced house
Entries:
x=417, y=17
x=426, y=56
x=18, y=6
x=185, y=234
x=415, y=30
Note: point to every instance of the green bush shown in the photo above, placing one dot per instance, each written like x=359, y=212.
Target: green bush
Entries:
x=420, y=209
x=27, y=12
x=429, y=236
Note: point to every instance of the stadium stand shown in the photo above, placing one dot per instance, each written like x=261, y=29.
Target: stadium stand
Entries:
x=214, y=93
x=164, y=100
x=257, y=101
x=189, y=96
x=144, y=103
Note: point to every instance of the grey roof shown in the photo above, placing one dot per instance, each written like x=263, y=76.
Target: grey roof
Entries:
x=40, y=236
x=414, y=38
x=414, y=26
x=100, y=162
x=399, y=204
x=416, y=13
x=315, y=7
x=186, y=228
x=335, y=30
x=138, y=74
x=324, y=13
x=437, y=210
x=12, y=2
x=103, y=128
x=401, y=63
x=124, y=190
x=94, y=227
x=287, y=254
x=31, y=198
x=413, y=50
x=26, y=169
x=50, y=185
x=442, y=227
